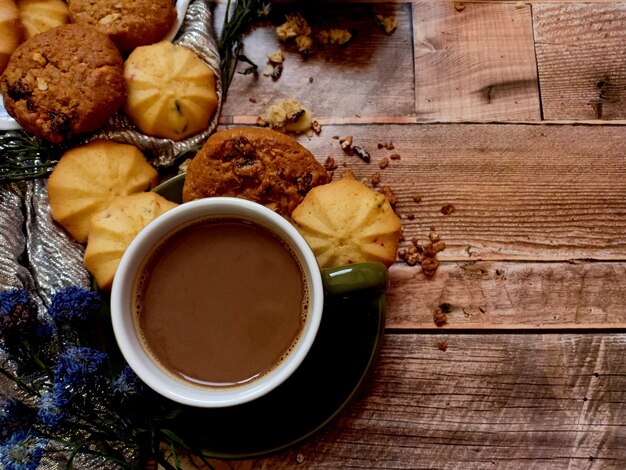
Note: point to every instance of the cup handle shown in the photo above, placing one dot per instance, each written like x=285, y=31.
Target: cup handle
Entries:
x=371, y=278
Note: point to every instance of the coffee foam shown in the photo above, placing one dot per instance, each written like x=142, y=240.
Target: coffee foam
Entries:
x=144, y=277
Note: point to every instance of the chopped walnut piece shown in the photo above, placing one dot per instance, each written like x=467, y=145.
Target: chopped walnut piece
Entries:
x=361, y=153
x=433, y=237
x=346, y=143
x=439, y=317
x=395, y=156
x=39, y=58
x=330, y=164
x=439, y=246
x=442, y=345
x=375, y=178
x=388, y=23
x=295, y=26
x=276, y=57
x=42, y=84
x=317, y=127
x=447, y=209
x=109, y=19
x=384, y=163
x=334, y=36
x=261, y=122
x=305, y=44
x=429, y=266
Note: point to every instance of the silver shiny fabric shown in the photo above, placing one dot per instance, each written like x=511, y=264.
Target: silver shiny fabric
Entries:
x=39, y=256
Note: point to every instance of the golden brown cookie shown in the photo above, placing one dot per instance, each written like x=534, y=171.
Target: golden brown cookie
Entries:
x=113, y=228
x=171, y=92
x=129, y=23
x=10, y=31
x=253, y=163
x=88, y=177
x=64, y=82
x=346, y=222
x=38, y=16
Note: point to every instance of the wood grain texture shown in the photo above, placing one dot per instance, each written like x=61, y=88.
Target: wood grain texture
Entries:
x=581, y=58
x=475, y=62
x=372, y=75
x=489, y=401
x=505, y=295
x=520, y=192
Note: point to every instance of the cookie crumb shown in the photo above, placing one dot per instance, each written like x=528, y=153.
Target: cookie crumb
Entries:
x=336, y=137
x=411, y=217
x=310, y=79
x=447, y=209
x=276, y=57
x=395, y=156
x=346, y=143
x=439, y=317
x=375, y=178
x=330, y=164
x=317, y=127
x=252, y=100
x=261, y=122
x=384, y=163
x=268, y=70
x=442, y=345
x=387, y=23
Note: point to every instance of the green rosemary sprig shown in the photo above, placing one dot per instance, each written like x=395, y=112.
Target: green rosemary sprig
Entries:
x=230, y=42
x=25, y=157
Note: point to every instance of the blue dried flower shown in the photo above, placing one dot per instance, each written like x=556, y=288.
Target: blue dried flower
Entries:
x=78, y=366
x=74, y=303
x=13, y=418
x=18, y=311
x=51, y=406
x=127, y=383
x=22, y=452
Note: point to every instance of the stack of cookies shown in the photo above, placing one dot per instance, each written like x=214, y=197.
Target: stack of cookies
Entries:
x=67, y=78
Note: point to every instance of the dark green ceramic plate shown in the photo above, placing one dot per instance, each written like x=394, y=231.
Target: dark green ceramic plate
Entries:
x=331, y=375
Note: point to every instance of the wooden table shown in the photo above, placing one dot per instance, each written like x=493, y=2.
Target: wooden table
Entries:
x=514, y=113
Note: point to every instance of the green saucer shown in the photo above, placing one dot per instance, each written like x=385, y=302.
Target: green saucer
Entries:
x=331, y=375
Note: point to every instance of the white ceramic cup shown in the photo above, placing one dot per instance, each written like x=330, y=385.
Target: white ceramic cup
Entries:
x=123, y=289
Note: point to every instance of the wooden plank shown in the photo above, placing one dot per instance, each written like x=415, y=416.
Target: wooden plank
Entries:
x=520, y=192
x=489, y=401
x=504, y=295
x=581, y=58
x=474, y=62
x=372, y=75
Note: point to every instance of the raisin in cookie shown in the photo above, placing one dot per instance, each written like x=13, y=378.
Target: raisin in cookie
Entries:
x=63, y=82
x=257, y=164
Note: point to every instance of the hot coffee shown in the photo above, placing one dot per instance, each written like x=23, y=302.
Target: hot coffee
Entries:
x=220, y=302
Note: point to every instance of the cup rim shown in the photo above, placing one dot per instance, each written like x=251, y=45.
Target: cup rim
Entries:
x=123, y=325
